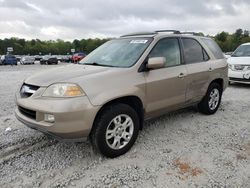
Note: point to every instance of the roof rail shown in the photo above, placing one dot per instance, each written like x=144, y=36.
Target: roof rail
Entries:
x=161, y=31
x=191, y=33
x=140, y=33
x=168, y=31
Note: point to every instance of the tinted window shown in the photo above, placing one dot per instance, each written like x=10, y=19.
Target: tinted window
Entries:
x=214, y=48
x=168, y=48
x=193, y=51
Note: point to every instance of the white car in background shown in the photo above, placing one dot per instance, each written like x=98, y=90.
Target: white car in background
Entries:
x=27, y=60
x=239, y=65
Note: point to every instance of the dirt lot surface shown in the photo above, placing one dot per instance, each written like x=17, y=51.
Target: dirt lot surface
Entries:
x=181, y=149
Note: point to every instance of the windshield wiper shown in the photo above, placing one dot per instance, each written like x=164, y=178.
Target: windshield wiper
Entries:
x=98, y=64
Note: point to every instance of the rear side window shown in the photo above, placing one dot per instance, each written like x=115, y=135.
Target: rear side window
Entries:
x=214, y=48
x=193, y=51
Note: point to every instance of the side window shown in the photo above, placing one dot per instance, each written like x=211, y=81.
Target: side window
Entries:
x=193, y=51
x=168, y=48
x=214, y=47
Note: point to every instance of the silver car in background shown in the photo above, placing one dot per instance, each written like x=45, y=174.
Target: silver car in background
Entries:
x=27, y=60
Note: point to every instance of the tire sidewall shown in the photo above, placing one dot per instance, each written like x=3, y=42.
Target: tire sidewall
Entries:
x=211, y=87
x=104, y=121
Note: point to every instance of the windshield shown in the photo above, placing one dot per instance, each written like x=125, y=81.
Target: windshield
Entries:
x=118, y=52
x=242, y=51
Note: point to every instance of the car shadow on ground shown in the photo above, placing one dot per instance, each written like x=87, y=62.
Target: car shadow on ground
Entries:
x=238, y=85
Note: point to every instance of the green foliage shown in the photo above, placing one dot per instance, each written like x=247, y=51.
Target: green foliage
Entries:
x=36, y=46
x=229, y=42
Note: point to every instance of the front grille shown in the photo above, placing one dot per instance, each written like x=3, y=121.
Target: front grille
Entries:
x=239, y=67
x=26, y=112
x=28, y=90
x=239, y=79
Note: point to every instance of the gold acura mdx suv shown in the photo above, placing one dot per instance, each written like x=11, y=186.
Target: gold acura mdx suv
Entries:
x=109, y=94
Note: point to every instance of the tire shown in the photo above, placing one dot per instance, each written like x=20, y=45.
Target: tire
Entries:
x=204, y=106
x=105, y=122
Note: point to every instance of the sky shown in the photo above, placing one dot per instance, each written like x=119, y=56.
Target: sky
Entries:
x=77, y=19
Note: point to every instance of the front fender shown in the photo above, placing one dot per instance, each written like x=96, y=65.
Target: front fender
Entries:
x=104, y=97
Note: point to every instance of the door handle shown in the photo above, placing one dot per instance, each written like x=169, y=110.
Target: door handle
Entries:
x=210, y=69
x=181, y=75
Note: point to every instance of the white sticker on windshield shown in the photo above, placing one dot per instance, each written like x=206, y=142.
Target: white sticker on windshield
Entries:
x=138, y=41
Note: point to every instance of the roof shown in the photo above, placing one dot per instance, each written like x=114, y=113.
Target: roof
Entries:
x=248, y=43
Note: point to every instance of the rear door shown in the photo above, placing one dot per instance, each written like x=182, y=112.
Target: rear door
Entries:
x=198, y=69
x=166, y=87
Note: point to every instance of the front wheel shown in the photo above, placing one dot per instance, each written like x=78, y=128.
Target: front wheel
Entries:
x=211, y=102
x=115, y=130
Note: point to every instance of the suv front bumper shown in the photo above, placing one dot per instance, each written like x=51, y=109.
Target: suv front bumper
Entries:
x=74, y=117
x=239, y=76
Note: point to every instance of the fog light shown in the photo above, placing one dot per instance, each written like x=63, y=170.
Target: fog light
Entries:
x=246, y=76
x=49, y=118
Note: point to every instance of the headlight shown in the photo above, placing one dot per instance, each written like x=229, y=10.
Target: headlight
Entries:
x=63, y=90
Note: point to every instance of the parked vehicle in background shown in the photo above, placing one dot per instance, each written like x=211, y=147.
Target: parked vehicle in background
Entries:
x=107, y=96
x=49, y=60
x=38, y=57
x=27, y=60
x=66, y=58
x=239, y=65
x=8, y=60
x=18, y=57
x=59, y=57
x=78, y=57
x=228, y=54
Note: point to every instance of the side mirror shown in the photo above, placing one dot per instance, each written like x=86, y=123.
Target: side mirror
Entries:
x=156, y=62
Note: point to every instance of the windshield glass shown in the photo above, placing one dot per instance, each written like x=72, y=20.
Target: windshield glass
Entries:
x=242, y=51
x=118, y=52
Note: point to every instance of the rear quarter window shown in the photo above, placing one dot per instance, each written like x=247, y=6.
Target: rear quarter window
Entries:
x=193, y=51
x=214, y=48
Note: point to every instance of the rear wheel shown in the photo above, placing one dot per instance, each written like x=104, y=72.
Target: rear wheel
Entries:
x=211, y=102
x=115, y=130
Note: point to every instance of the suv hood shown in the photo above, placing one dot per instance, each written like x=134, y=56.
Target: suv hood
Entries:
x=239, y=60
x=63, y=74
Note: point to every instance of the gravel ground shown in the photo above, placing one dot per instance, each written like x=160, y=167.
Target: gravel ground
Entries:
x=181, y=149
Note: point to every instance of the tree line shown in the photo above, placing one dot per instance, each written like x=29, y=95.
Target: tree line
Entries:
x=228, y=42
x=56, y=47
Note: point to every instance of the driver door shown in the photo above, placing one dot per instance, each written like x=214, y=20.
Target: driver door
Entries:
x=166, y=87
